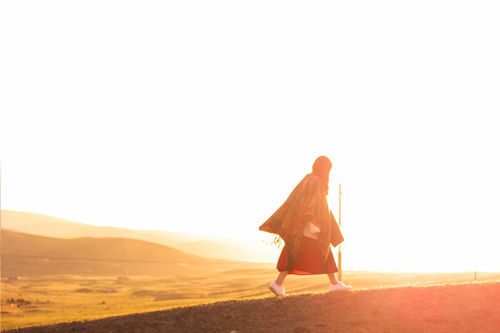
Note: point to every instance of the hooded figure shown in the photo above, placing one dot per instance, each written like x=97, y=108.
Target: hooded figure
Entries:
x=307, y=226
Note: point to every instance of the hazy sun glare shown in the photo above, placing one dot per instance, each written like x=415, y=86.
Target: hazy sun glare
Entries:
x=202, y=116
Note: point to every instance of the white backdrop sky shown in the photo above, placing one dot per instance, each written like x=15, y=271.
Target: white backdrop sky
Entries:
x=201, y=116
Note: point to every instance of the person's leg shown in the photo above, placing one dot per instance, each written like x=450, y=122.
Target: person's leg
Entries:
x=277, y=286
x=332, y=278
x=281, y=278
x=337, y=285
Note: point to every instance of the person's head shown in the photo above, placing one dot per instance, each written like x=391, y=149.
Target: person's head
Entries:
x=322, y=167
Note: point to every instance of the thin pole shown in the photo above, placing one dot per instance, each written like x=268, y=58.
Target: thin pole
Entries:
x=339, y=274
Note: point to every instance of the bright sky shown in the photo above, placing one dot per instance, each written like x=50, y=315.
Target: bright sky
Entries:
x=201, y=116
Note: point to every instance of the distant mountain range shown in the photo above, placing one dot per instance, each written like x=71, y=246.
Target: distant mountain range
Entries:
x=200, y=245
x=32, y=255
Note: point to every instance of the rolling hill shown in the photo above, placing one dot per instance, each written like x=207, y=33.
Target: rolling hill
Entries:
x=446, y=308
x=28, y=255
x=201, y=245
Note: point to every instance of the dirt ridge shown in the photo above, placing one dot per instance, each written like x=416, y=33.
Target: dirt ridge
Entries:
x=445, y=308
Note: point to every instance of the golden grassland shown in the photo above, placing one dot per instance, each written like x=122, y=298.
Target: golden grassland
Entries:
x=63, y=298
x=444, y=308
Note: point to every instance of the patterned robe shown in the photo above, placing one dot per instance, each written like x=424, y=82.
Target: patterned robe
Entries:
x=307, y=199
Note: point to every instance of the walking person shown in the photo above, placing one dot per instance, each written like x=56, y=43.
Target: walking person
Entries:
x=308, y=227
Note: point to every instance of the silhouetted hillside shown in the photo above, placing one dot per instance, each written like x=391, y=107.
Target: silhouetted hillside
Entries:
x=200, y=245
x=25, y=254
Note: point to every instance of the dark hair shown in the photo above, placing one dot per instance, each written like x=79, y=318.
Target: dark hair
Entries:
x=322, y=165
x=321, y=168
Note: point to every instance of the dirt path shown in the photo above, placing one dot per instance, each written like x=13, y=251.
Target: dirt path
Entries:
x=452, y=308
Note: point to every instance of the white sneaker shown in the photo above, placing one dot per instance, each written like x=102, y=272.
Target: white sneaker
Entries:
x=277, y=290
x=339, y=286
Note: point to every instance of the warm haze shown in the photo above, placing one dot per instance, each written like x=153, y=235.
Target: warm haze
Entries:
x=143, y=143
x=201, y=117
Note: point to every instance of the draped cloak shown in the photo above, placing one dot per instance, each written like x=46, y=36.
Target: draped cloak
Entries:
x=307, y=199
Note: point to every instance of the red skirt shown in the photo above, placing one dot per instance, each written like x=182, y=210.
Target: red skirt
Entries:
x=310, y=260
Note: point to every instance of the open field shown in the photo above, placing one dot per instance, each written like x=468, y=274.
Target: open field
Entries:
x=64, y=298
x=48, y=280
x=444, y=308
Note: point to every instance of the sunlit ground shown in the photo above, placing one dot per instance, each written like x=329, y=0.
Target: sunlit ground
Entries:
x=53, y=299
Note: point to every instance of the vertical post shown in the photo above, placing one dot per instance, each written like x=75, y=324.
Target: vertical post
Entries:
x=339, y=274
